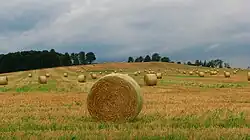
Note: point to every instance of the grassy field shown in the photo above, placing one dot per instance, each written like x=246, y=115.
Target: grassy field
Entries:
x=180, y=107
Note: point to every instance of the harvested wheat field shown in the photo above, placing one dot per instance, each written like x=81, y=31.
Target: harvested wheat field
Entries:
x=179, y=107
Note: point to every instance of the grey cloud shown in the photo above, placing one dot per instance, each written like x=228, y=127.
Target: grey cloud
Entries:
x=117, y=29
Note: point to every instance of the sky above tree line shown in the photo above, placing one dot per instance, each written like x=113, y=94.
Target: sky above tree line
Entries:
x=115, y=29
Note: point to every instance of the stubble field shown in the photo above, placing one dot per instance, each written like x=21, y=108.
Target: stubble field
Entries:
x=179, y=107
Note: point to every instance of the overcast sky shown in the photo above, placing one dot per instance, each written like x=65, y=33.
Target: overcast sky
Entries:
x=116, y=29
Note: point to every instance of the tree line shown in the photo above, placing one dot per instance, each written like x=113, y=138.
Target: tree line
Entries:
x=218, y=63
x=29, y=60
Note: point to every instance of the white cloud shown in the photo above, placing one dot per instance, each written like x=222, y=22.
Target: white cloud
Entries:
x=129, y=27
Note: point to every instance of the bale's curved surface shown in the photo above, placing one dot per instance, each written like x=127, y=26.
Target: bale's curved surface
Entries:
x=3, y=80
x=150, y=79
x=42, y=79
x=115, y=97
x=81, y=78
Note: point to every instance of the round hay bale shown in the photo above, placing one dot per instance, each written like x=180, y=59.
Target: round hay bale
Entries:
x=139, y=72
x=227, y=74
x=65, y=74
x=206, y=71
x=120, y=70
x=201, y=74
x=248, y=76
x=115, y=98
x=42, y=80
x=184, y=72
x=150, y=79
x=197, y=72
x=93, y=76
x=159, y=75
x=115, y=71
x=100, y=72
x=3, y=80
x=211, y=72
x=81, y=78
x=47, y=75
x=191, y=73
x=29, y=75
x=136, y=73
x=234, y=72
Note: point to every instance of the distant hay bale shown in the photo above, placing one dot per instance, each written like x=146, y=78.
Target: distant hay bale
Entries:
x=150, y=79
x=42, y=80
x=65, y=74
x=213, y=72
x=191, y=73
x=81, y=78
x=234, y=72
x=115, y=98
x=29, y=75
x=201, y=74
x=121, y=70
x=47, y=75
x=139, y=72
x=115, y=71
x=184, y=72
x=159, y=75
x=93, y=76
x=3, y=80
x=205, y=71
x=197, y=72
x=227, y=74
x=248, y=76
x=136, y=73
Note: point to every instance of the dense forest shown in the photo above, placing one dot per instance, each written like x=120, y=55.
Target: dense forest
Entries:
x=28, y=60
x=157, y=58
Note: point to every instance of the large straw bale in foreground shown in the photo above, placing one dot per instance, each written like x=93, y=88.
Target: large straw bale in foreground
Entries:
x=150, y=79
x=3, y=80
x=115, y=97
x=81, y=78
x=42, y=80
